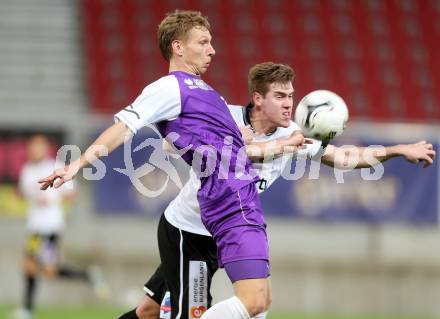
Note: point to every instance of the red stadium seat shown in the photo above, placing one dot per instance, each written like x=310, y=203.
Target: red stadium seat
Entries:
x=379, y=55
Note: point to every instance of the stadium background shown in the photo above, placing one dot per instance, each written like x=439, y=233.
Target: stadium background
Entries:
x=361, y=247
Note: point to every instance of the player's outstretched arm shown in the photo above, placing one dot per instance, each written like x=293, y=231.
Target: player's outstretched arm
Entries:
x=261, y=150
x=257, y=151
x=362, y=157
x=110, y=139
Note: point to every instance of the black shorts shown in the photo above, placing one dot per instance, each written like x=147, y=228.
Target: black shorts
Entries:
x=182, y=282
x=43, y=248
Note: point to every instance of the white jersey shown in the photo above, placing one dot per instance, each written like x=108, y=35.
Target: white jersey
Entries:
x=45, y=213
x=184, y=211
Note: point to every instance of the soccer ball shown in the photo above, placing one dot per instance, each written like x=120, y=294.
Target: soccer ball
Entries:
x=322, y=115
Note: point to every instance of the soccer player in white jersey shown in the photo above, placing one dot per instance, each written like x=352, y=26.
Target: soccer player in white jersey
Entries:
x=45, y=223
x=188, y=252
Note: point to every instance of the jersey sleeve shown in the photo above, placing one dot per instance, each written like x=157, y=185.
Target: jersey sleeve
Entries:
x=159, y=101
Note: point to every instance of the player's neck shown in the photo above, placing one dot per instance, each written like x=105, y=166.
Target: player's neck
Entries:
x=176, y=65
x=258, y=123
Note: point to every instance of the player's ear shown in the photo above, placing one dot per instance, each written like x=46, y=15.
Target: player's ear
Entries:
x=177, y=47
x=257, y=98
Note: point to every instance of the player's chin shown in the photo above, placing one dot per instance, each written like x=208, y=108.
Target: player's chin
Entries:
x=284, y=123
x=203, y=69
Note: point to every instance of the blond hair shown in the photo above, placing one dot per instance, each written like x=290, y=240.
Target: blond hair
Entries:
x=263, y=74
x=175, y=26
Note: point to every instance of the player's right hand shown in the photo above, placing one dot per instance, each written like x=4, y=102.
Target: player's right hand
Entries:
x=58, y=177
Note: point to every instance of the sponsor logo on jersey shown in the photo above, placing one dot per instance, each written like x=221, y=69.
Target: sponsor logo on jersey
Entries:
x=165, y=307
x=201, y=84
x=197, y=312
x=197, y=84
x=198, y=289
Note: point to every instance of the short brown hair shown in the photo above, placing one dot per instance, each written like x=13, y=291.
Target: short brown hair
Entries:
x=263, y=74
x=175, y=26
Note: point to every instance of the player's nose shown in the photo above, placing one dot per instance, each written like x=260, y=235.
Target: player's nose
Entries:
x=211, y=51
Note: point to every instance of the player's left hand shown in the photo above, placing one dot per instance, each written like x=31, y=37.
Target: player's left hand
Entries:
x=297, y=140
x=247, y=134
x=421, y=151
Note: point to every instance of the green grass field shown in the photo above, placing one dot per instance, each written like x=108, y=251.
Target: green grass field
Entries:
x=91, y=312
